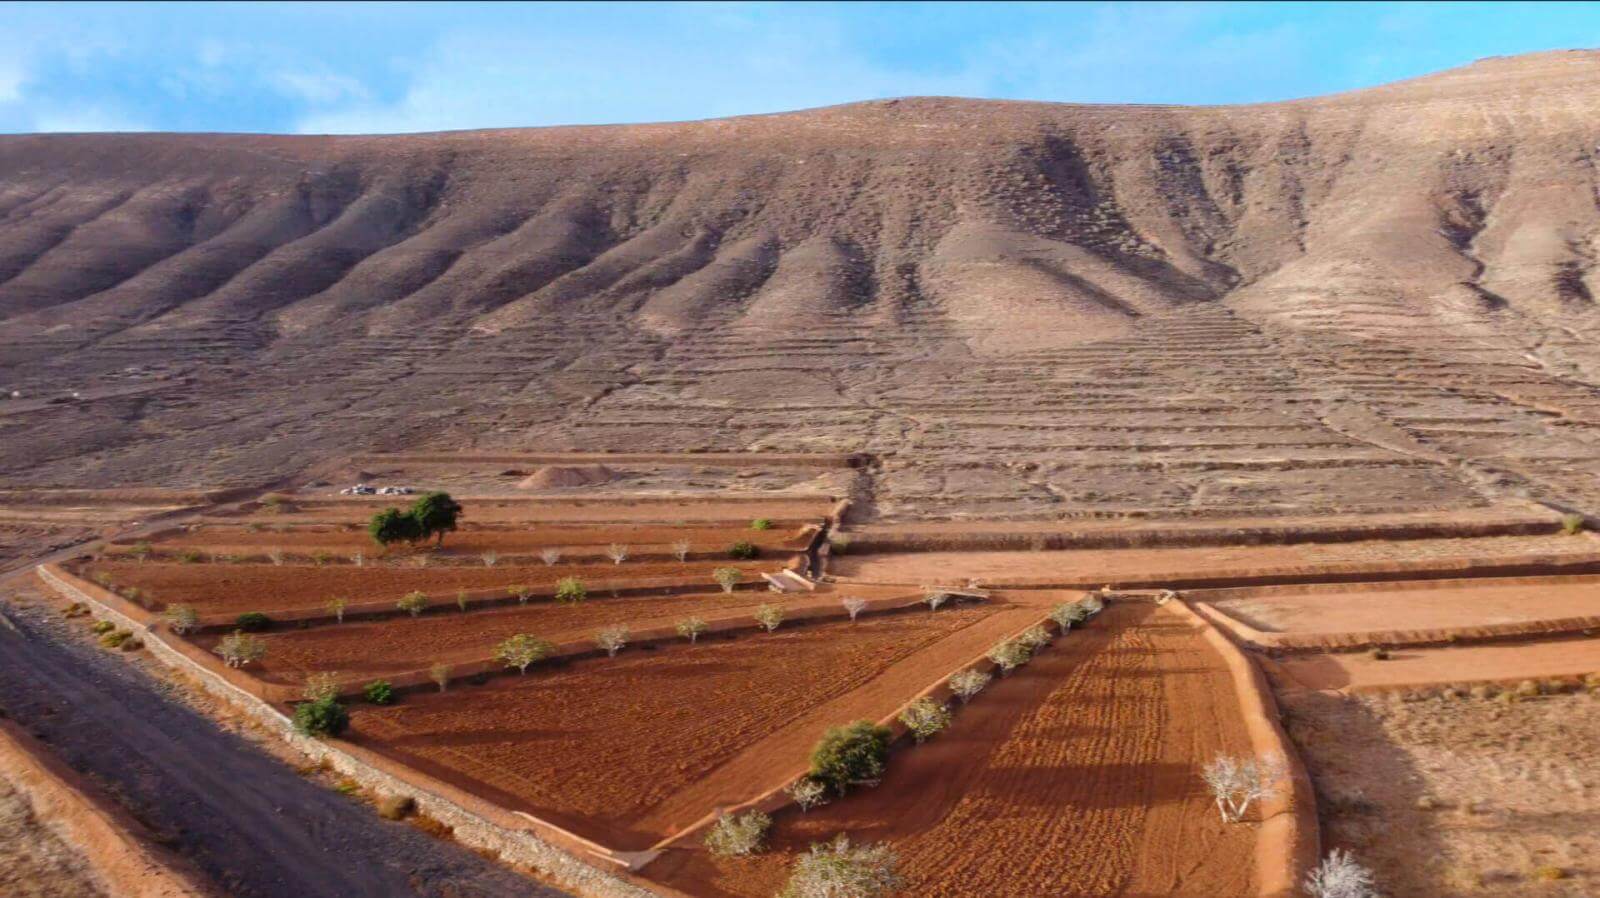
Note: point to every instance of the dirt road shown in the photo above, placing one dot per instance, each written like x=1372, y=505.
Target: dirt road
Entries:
x=247, y=821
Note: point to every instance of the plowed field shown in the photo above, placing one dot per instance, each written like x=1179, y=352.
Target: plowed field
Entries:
x=1077, y=776
x=593, y=746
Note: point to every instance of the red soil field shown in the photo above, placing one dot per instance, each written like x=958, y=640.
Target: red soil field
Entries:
x=731, y=512
x=1114, y=565
x=594, y=745
x=471, y=542
x=1077, y=775
x=366, y=648
x=1505, y=663
x=1409, y=606
x=230, y=588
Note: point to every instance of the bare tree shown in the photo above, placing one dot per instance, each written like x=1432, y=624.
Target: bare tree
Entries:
x=1340, y=875
x=461, y=599
x=1010, y=655
x=359, y=559
x=336, y=606
x=680, y=550
x=838, y=869
x=180, y=618
x=1068, y=613
x=320, y=686
x=550, y=555
x=807, y=793
x=727, y=577
x=440, y=674
x=522, y=591
x=690, y=628
x=924, y=718
x=769, y=616
x=521, y=650
x=490, y=558
x=854, y=605
x=935, y=599
x=275, y=555
x=612, y=639
x=738, y=835
x=617, y=552
x=964, y=684
x=1035, y=637
x=413, y=603
x=240, y=648
x=1236, y=782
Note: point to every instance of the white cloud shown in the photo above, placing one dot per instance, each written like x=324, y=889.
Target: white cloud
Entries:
x=320, y=88
x=12, y=75
x=86, y=119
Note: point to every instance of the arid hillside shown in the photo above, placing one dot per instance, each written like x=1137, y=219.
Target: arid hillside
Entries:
x=1376, y=300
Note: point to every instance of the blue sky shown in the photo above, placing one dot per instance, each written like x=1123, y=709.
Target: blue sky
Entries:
x=378, y=67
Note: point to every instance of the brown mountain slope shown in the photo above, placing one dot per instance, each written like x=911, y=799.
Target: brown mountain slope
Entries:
x=1381, y=298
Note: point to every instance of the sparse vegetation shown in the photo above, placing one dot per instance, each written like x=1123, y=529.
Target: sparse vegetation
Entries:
x=850, y=755
x=761, y=524
x=934, y=599
x=769, y=616
x=396, y=807
x=323, y=717
x=440, y=675
x=521, y=650
x=838, y=869
x=188, y=556
x=612, y=639
x=1010, y=655
x=924, y=718
x=461, y=600
x=550, y=555
x=1340, y=876
x=275, y=556
x=321, y=557
x=115, y=638
x=617, y=552
x=1066, y=614
x=378, y=692
x=319, y=686
x=853, y=605
x=490, y=558
x=807, y=793
x=738, y=835
x=1236, y=783
x=253, y=622
x=336, y=606
x=680, y=550
x=1035, y=637
x=965, y=684
x=727, y=577
x=141, y=550
x=240, y=648
x=180, y=618
x=743, y=550
x=690, y=628
x=413, y=603
x=570, y=591
x=101, y=626
x=1572, y=524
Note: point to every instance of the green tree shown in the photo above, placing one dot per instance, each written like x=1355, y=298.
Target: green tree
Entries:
x=323, y=717
x=393, y=526
x=850, y=754
x=436, y=515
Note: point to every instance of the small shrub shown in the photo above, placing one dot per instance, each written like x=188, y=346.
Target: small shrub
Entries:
x=853, y=605
x=76, y=609
x=839, y=869
x=690, y=628
x=1379, y=654
x=413, y=603
x=769, y=616
x=743, y=550
x=1572, y=524
x=396, y=807
x=761, y=524
x=378, y=692
x=253, y=622
x=189, y=556
x=431, y=826
x=321, y=686
x=141, y=550
x=359, y=559
x=336, y=606
x=461, y=599
x=1035, y=637
x=132, y=644
x=490, y=558
x=680, y=550
x=1010, y=655
x=570, y=591
x=925, y=718
x=1237, y=783
x=277, y=503
x=807, y=793
x=522, y=592
x=275, y=556
x=727, y=577
x=550, y=556
x=849, y=755
x=440, y=675
x=1068, y=613
x=1340, y=876
x=102, y=626
x=1527, y=689
x=617, y=552
x=321, y=557
x=323, y=717
x=115, y=638
x=521, y=650
x=967, y=683
x=612, y=639
x=180, y=618
x=240, y=648
x=738, y=836
x=1549, y=873
x=102, y=578
x=347, y=786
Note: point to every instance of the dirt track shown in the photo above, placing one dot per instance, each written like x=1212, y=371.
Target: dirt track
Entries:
x=1075, y=776
x=245, y=819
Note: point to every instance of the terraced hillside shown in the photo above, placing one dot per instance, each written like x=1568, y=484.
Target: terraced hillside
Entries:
x=1373, y=301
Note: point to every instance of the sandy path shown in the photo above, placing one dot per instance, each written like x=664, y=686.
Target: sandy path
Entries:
x=1075, y=776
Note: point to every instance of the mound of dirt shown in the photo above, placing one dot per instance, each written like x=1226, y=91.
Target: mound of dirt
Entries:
x=563, y=476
